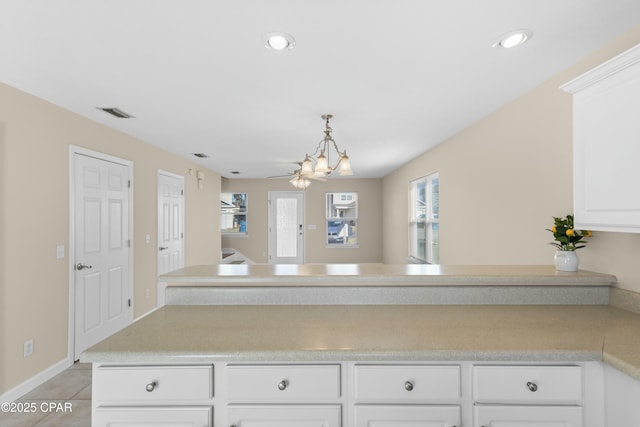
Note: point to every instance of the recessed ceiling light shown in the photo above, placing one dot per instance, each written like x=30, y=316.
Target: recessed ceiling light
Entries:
x=513, y=39
x=279, y=41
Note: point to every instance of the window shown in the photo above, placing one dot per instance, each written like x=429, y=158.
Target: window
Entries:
x=342, y=219
x=233, y=214
x=424, y=221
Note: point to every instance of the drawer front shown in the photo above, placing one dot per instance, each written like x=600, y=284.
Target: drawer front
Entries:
x=284, y=416
x=527, y=416
x=528, y=384
x=407, y=416
x=155, y=384
x=152, y=417
x=283, y=383
x=406, y=383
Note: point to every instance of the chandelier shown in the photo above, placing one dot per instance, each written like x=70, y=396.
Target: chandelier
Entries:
x=318, y=164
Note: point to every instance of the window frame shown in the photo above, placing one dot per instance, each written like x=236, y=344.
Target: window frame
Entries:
x=348, y=219
x=230, y=209
x=427, y=218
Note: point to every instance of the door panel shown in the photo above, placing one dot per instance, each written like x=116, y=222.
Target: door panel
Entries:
x=170, y=226
x=101, y=249
x=286, y=227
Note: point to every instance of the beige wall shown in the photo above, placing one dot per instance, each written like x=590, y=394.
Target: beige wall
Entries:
x=255, y=246
x=34, y=218
x=501, y=181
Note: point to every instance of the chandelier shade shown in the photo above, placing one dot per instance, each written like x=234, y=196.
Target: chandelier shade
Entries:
x=318, y=164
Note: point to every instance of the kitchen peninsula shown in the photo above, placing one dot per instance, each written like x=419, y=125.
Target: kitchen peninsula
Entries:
x=345, y=345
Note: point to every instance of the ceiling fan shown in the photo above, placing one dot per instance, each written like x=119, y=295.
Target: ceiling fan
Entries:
x=298, y=180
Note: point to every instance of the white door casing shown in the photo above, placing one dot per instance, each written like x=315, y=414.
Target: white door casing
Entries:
x=170, y=235
x=101, y=254
x=286, y=227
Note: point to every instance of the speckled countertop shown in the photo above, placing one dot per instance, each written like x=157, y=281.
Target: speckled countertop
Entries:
x=477, y=331
x=206, y=334
x=381, y=275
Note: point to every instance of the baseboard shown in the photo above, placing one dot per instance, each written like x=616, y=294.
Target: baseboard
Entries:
x=33, y=382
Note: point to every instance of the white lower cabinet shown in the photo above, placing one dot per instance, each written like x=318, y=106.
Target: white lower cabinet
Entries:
x=406, y=416
x=350, y=394
x=527, y=416
x=145, y=396
x=146, y=416
x=528, y=396
x=284, y=416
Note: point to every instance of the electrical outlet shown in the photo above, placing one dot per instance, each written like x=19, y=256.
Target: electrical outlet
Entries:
x=27, y=348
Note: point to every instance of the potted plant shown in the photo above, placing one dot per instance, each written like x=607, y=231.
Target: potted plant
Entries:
x=567, y=241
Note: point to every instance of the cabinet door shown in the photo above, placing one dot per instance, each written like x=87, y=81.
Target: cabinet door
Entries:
x=407, y=416
x=284, y=416
x=527, y=416
x=605, y=144
x=152, y=417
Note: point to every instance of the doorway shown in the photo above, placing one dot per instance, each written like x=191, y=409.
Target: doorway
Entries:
x=170, y=234
x=100, y=254
x=286, y=227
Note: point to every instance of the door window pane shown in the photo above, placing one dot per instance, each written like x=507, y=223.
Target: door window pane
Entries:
x=286, y=227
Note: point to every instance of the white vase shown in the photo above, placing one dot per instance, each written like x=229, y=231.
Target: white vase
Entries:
x=566, y=260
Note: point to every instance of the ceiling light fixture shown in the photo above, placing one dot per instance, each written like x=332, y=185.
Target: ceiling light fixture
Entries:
x=513, y=39
x=318, y=164
x=279, y=41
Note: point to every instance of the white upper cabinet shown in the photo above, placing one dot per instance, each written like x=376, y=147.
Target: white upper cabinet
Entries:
x=606, y=145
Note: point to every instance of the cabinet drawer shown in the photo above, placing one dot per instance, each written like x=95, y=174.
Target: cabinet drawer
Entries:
x=282, y=383
x=155, y=384
x=527, y=416
x=406, y=383
x=407, y=416
x=152, y=416
x=284, y=416
x=527, y=384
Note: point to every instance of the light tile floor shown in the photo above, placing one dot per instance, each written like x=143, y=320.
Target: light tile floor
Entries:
x=63, y=401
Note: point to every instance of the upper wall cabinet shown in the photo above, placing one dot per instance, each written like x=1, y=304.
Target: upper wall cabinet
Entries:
x=606, y=145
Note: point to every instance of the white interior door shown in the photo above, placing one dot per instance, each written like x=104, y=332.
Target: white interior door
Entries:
x=102, y=248
x=286, y=227
x=170, y=226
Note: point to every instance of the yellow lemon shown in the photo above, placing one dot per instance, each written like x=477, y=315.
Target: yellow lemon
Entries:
x=570, y=232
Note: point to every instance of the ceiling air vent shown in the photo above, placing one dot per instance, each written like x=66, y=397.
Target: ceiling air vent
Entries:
x=116, y=112
x=201, y=155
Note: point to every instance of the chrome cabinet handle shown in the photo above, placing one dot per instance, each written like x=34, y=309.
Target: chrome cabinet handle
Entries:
x=282, y=385
x=151, y=386
x=81, y=266
x=532, y=386
x=408, y=385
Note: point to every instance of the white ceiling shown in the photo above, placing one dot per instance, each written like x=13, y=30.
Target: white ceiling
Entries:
x=399, y=76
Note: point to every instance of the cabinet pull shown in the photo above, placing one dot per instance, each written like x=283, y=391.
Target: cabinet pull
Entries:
x=532, y=386
x=282, y=385
x=408, y=385
x=151, y=386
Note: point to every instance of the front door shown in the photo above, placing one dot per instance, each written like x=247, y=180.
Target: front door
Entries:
x=170, y=226
x=102, y=248
x=286, y=227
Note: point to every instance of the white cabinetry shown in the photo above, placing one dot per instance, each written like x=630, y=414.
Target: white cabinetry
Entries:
x=527, y=396
x=383, y=393
x=284, y=395
x=351, y=394
x=605, y=144
x=152, y=395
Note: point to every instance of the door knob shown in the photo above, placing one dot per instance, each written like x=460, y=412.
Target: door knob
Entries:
x=81, y=266
x=162, y=248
